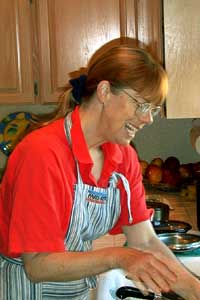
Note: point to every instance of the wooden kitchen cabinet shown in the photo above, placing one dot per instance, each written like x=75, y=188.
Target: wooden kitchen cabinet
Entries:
x=182, y=57
x=16, y=76
x=144, y=22
x=69, y=33
x=46, y=40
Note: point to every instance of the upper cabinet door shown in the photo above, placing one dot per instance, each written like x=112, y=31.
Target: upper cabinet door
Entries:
x=16, y=76
x=69, y=33
x=144, y=22
x=182, y=57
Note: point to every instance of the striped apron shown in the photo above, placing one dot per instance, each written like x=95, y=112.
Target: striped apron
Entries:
x=95, y=211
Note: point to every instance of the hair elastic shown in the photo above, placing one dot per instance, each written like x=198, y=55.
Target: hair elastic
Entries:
x=78, y=85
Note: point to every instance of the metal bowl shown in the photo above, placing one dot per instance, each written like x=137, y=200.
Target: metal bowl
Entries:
x=180, y=242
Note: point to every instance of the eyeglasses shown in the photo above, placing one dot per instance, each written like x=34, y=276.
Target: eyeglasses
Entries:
x=145, y=107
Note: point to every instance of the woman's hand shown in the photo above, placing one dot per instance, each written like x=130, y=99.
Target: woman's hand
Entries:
x=147, y=270
x=157, y=272
x=156, y=265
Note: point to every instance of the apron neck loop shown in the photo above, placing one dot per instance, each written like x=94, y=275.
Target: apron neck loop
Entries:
x=113, y=181
x=67, y=128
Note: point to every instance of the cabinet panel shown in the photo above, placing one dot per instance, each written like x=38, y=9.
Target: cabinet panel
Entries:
x=131, y=18
x=16, y=76
x=69, y=33
x=149, y=25
x=182, y=57
x=45, y=40
x=142, y=20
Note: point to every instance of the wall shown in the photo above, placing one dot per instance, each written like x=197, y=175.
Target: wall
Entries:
x=162, y=139
x=166, y=137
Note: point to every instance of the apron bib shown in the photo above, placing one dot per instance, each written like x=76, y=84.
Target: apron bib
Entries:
x=95, y=211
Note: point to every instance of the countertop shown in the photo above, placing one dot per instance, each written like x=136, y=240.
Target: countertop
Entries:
x=182, y=208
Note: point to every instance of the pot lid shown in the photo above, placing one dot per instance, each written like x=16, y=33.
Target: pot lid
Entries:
x=172, y=226
x=180, y=242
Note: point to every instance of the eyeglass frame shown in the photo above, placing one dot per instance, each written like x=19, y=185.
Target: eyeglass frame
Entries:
x=144, y=107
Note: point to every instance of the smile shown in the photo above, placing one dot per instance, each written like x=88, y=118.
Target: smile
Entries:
x=131, y=129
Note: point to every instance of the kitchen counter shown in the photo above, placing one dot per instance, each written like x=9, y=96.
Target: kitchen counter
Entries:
x=183, y=208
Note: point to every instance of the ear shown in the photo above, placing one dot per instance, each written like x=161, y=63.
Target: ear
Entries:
x=103, y=90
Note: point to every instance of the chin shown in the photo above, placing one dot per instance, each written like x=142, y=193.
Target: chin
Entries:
x=121, y=138
x=123, y=142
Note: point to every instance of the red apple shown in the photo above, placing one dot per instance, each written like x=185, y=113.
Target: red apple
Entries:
x=143, y=165
x=172, y=163
x=171, y=177
x=153, y=174
x=157, y=161
x=186, y=171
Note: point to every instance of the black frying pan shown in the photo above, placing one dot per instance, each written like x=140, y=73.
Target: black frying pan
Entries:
x=129, y=291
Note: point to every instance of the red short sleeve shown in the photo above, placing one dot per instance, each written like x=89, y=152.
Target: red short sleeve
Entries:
x=36, y=199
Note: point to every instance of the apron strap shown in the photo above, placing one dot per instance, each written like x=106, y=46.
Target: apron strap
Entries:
x=113, y=182
x=67, y=128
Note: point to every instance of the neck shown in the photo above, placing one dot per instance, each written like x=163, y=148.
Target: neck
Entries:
x=91, y=123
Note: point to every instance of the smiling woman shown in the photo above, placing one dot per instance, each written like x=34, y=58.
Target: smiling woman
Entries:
x=75, y=178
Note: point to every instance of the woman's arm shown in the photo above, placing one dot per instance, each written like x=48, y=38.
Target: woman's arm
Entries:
x=142, y=236
x=66, y=266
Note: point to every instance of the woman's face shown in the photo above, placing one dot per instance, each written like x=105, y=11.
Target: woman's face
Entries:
x=123, y=118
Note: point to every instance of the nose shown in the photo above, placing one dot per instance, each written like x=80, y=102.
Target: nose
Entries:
x=147, y=117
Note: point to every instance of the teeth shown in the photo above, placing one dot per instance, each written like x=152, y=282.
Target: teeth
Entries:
x=130, y=127
x=131, y=130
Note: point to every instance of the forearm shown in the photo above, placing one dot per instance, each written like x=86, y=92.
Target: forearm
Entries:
x=67, y=266
x=146, y=239
x=155, y=245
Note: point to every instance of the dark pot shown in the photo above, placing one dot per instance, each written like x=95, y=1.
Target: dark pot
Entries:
x=161, y=211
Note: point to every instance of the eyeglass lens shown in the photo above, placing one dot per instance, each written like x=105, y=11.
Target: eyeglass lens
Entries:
x=146, y=107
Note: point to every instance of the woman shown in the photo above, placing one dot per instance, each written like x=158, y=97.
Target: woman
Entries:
x=76, y=178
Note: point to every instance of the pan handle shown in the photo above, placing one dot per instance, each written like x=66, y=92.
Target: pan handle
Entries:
x=129, y=291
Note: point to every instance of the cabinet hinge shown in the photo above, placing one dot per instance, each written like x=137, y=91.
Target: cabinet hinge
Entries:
x=36, y=88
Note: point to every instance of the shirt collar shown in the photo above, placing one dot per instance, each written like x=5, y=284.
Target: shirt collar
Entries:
x=79, y=146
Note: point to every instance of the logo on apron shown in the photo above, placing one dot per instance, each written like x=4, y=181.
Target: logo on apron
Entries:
x=96, y=196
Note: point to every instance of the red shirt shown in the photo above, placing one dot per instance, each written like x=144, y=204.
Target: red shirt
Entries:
x=36, y=195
